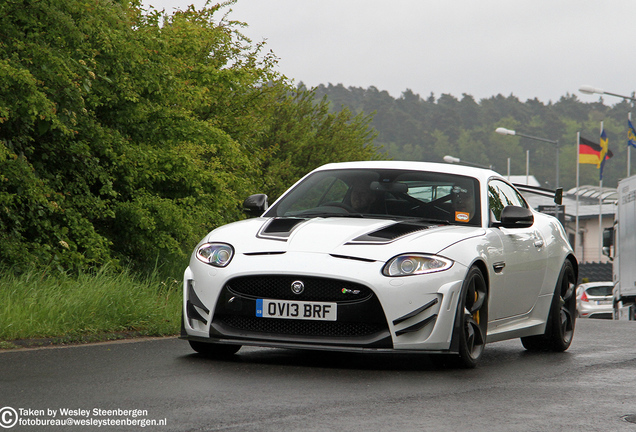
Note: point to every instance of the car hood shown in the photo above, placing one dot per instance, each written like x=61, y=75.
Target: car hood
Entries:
x=373, y=239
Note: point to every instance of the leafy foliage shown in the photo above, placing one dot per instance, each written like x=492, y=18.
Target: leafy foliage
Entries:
x=303, y=135
x=127, y=134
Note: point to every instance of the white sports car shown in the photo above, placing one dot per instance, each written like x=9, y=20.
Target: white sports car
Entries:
x=384, y=256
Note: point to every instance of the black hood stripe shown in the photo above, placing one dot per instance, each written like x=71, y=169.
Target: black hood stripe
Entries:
x=389, y=233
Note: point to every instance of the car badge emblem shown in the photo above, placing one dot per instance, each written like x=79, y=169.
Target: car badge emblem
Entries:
x=349, y=291
x=297, y=287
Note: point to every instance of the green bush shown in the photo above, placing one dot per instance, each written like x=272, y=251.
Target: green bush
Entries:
x=126, y=134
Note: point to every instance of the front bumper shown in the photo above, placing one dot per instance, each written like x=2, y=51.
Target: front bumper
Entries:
x=414, y=313
x=587, y=310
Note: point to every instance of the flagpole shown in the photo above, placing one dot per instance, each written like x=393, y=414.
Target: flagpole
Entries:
x=577, y=245
x=629, y=148
x=600, y=220
x=600, y=203
x=508, y=169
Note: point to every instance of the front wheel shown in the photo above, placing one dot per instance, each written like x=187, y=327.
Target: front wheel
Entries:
x=472, y=320
x=562, y=317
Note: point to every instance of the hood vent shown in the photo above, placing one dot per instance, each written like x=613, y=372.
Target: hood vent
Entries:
x=279, y=228
x=389, y=233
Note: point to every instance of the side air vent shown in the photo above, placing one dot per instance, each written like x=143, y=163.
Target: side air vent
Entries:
x=194, y=300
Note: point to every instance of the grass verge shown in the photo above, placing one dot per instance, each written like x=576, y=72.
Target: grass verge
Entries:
x=40, y=308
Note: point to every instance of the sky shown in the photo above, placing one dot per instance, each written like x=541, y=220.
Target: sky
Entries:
x=542, y=49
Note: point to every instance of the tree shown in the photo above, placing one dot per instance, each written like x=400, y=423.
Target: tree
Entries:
x=127, y=134
x=412, y=128
x=302, y=134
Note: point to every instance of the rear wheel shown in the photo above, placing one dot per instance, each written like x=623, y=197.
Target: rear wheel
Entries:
x=616, y=313
x=560, y=324
x=214, y=350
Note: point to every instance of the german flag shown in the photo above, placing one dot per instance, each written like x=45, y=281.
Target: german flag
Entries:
x=590, y=152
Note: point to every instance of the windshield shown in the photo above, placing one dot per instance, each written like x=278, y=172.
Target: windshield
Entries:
x=380, y=193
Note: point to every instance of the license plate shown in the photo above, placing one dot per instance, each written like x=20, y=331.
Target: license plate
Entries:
x=604, y=302
x=286, y=309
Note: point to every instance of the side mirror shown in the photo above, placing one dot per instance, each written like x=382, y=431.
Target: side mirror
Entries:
x=255, y=205
x=516, y=217
x=608, y=242
x=607, y=252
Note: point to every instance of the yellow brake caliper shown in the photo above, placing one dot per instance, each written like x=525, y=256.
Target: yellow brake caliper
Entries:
x=476, y=314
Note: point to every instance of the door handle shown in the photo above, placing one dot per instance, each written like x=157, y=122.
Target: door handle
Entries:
x=498, y=266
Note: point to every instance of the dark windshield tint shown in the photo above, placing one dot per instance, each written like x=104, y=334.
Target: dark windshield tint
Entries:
x=382, y=193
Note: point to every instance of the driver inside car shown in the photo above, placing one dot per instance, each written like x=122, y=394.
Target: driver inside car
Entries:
x=362, y=197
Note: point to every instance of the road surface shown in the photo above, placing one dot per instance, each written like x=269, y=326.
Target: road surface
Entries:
x=166, y=386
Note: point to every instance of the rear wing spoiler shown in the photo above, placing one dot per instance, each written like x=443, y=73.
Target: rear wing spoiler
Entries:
x=557, y=194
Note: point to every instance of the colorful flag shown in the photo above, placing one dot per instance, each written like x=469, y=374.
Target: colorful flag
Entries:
x=631, y=134
x=605, y=152
x=589, y=152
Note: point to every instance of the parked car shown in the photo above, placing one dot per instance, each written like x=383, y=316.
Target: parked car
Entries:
x=594, y=300
x=407, y=257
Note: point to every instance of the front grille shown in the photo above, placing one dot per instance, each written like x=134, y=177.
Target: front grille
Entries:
x=316, y=288
x=361, y=321
x=327, y=329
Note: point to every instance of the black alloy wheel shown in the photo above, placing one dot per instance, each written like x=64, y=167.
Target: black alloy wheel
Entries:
x=473, y=319
x=561, y=320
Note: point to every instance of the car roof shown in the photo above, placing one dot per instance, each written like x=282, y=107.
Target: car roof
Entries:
x=479, y=173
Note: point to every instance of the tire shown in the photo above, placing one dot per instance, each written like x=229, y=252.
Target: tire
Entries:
x=562, y=317
x=615, y=314
x=214, y=350
x=471, y=321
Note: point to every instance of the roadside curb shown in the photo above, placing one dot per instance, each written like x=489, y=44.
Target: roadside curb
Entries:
x=63, y=341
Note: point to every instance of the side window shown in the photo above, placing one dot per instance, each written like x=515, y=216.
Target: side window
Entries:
x=500, y=195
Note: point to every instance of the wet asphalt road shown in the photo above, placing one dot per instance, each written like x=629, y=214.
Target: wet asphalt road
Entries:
x=591, y=387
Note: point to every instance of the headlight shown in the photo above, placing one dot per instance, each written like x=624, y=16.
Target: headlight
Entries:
x=216, y=254
x=412, y=264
